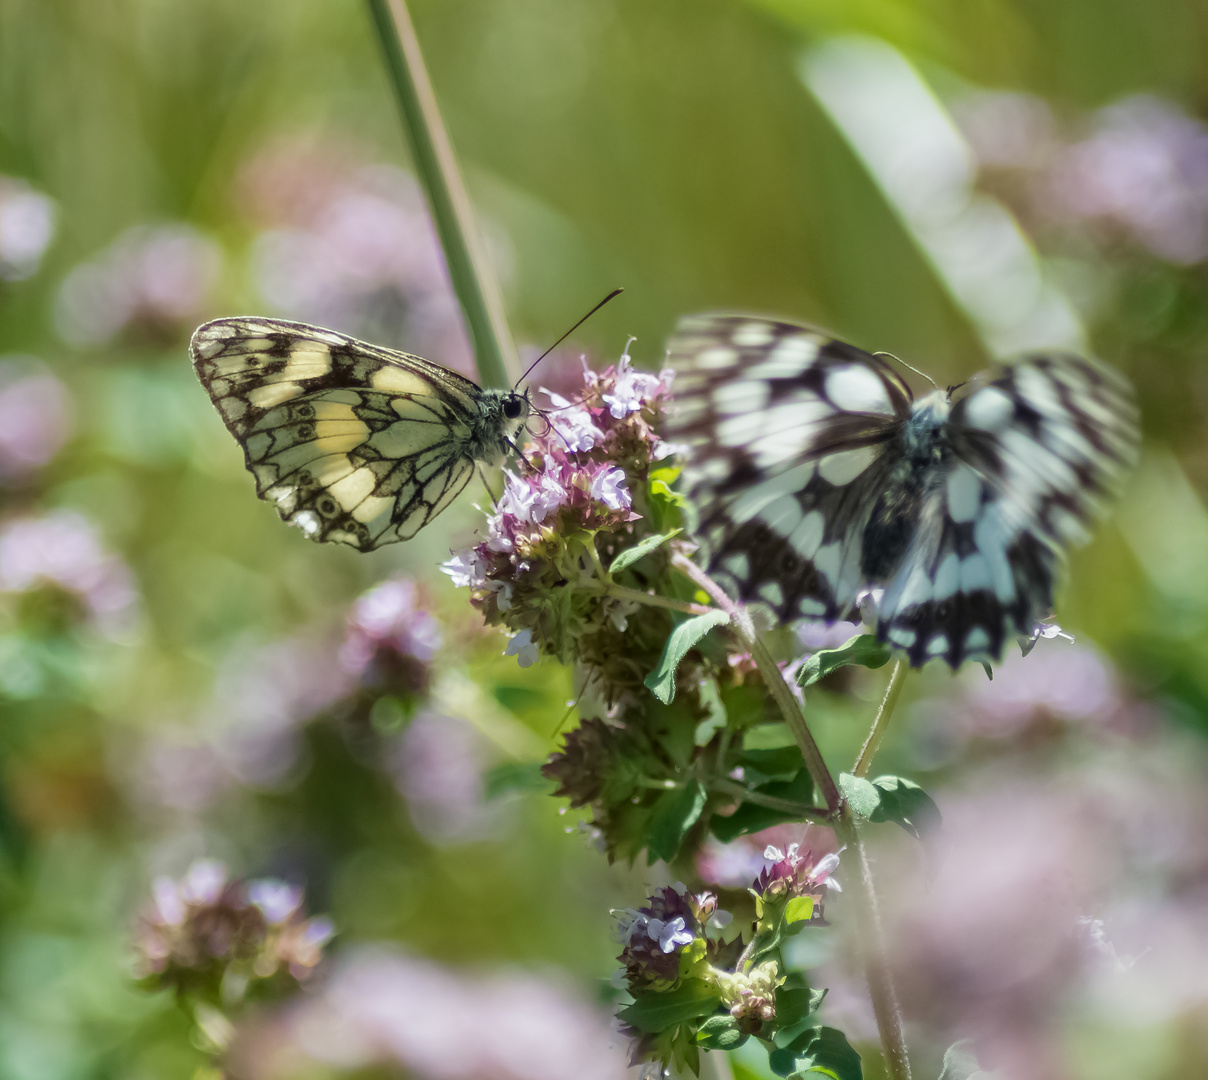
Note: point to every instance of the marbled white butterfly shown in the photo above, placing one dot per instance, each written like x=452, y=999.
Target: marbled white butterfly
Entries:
x=351, y=442
x=822, y=482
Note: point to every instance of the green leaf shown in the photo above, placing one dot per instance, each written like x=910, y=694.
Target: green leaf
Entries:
x=655, y=1012
x=861, y=796
x=720, y=1033
x=822, y=1050
x=782, y=762
x=661, y=681
x=960, y=1062
x=674, y=814
x=892, y=798
x=751, y=817
x=796, y=1004
x=863, y=649
x=906, y=803
x=521, y=776
x=715, y=710
x=639, y=551
x=799, y=909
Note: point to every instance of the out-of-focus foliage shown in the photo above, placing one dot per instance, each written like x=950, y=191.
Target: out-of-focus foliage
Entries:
x=181, y=676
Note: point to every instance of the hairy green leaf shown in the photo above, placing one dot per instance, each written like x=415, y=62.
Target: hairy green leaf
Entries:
x=720, y=1033
x=864, y=650
x=796, y=1004
x=822, y=1050
x=661, y=681
x=639, y=551
x=906, y=803
x=655, y=1012
x=674, y=814
x=892, y=798
x=861, y=796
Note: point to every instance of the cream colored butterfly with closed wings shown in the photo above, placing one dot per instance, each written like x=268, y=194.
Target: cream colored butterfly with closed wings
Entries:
x=351, y=442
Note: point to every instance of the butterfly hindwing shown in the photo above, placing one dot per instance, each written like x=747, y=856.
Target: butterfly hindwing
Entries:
x=352, y=442
x=787, y=427
x=952, y=519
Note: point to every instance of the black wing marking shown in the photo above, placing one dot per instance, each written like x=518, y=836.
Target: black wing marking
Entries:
x=788, y=429
x=351, y=442
x=1035, y=454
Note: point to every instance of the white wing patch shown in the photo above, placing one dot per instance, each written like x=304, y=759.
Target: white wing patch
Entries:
x=819, y=479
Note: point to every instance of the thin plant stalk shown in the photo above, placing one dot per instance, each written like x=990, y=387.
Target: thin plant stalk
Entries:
x=897, y=678
x=871, y=931
x=436, y=165
x=871, y=935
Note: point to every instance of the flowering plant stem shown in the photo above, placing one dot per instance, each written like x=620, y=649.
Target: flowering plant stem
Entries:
x=871, y=935
x=871, y=932
x=620, y=592
x=773, y=679
x=893, y=690
x=436, y=165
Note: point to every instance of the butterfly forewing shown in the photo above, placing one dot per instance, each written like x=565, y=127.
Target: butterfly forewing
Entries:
x=787, y=428
x=952, y=519
x=351, y=442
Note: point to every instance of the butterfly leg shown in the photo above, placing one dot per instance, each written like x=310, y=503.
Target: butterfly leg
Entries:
x=490, y=494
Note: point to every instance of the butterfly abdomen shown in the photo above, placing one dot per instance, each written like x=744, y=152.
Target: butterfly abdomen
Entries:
x=922, y=453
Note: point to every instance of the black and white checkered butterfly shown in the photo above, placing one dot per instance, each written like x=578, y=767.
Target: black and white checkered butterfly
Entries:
x=821, y=481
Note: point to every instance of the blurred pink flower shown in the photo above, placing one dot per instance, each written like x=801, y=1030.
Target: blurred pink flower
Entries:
x=356, y=250
x=1057, y=894
x=1057, y=681
x=62, y=548
x=27, y=223
x=1141, y=171
x=383, y=1008
x=438, y=764
x=391, y=640
x=206, y=926
x=157, y=274
x=261, y=699
x=1144, y=169
x=35, y=417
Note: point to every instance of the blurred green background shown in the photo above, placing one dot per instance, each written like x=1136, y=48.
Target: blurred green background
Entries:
x=945, y=180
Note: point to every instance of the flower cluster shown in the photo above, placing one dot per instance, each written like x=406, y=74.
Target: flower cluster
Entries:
x=35, y=418
x=723, y=992
x=352, y=246
x=1138, y=170
x=61, y=553
x=582, y=494
x=791, y=874
x=211, y=937
x=154, y=279
x=667, y=939
x=27, y=224
x=391, y=641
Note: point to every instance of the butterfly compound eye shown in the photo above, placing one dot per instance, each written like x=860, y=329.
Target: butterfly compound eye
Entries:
x=511, y=408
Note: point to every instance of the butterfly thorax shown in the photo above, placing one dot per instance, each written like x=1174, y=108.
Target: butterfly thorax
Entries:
x=918, y=470
x=503, y=414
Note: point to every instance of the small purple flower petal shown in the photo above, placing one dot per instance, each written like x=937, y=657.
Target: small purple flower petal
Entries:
x=204, y=882
x=609, y=488
x=523, y=648
x=630, y=388
x=278, y=900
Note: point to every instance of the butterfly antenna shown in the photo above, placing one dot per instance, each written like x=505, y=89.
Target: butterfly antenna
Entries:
x=610, y=296
x=909, y=367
